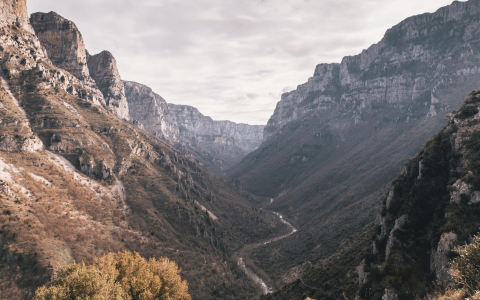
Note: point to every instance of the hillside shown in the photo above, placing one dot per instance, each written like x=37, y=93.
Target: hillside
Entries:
x=77, y=180
x=334, y=144
x=216, y=145
x=431, y=207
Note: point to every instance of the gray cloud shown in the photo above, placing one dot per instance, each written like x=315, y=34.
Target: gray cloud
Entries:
x=217, y=54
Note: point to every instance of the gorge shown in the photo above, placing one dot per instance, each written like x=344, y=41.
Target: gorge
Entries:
x=91, y=163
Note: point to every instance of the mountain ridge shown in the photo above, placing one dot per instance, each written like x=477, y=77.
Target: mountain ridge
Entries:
x=77, y=181
x=335, y=143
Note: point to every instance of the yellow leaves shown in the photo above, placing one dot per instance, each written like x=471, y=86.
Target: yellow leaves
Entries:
x=78, y=281
x=122, y=275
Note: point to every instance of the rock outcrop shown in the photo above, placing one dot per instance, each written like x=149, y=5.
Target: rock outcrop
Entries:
x=103, y=69
x=409, y=66
x=151, y=110
x=63, y=41
x=66, y=49
x=220, y=136
x=14, y=12
x=216, y=144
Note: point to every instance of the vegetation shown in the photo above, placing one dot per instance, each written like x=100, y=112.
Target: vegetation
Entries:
x=122, y=275
x=465, y=273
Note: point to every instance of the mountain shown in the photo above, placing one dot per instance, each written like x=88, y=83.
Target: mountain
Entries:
x=66, y=49
x=432, y=206
x=334, y=144
x=216, y=145
x=78, y=180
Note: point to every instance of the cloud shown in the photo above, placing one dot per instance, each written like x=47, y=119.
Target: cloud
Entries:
x=216, y=54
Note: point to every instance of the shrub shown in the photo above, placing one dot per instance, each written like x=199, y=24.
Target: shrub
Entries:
x=466, y=267
x=78, y=281
x=122, y=275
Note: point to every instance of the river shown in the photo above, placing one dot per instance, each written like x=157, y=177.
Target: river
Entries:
x=241, y=263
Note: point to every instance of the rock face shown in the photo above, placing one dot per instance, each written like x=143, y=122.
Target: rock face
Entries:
x=220, y=136
x=14, y=12
x=151, y=110
x=427, y=216
x=66, y=49
x=409, y=66
x=103, y=69
x=216, y=144
x=63, y=41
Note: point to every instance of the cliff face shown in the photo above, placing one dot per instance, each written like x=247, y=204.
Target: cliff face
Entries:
x=103, y=69
x=63, y=41
x=66, y=49
x=216, y=144
x=409, y=65
x=432, y=206
x=14, y=12
x=219, y=136
x=151, y=110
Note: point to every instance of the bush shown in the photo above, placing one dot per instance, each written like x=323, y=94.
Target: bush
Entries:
x=78, y=281
x=122, y=275
x=466, y=267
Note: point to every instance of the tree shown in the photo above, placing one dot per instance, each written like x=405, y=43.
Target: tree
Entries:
x=155, y=279
x=122, y=275
x=78, y=281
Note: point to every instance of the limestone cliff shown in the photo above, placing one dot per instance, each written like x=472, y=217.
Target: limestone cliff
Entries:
x=407, y=68
x=66, y=49
x=216, y=144
x=103, y=69
x=151, y=110
x=219, y=136
x=63, y=41
x=14, y=12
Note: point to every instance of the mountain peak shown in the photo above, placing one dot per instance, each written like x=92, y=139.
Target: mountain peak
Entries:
x=63, y=41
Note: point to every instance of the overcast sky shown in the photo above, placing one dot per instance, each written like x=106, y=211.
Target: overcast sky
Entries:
x=232, y=59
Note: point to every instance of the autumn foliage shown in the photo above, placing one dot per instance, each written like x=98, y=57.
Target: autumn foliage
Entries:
x=122, y=275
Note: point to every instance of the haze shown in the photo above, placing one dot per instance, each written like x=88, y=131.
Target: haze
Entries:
x=232, y=59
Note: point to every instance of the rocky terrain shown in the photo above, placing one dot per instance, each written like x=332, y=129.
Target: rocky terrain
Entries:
x=66, y=49
x=78, y=181
x=216, y=145
x=432, y=206
x=103, y=69
x=91, y=164
x=334, y=144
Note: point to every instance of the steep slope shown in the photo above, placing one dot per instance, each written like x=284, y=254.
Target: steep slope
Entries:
x=216, y=145
x=431, y=207
x=76, y=181
x=66, y=49
x=103, y=69
x=334, y=144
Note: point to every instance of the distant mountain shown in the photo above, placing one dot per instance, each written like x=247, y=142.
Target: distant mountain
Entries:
x=78, y=180
x=334, y=144
x=216, y=145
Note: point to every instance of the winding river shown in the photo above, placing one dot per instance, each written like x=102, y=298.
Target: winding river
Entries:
x=266, y=289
